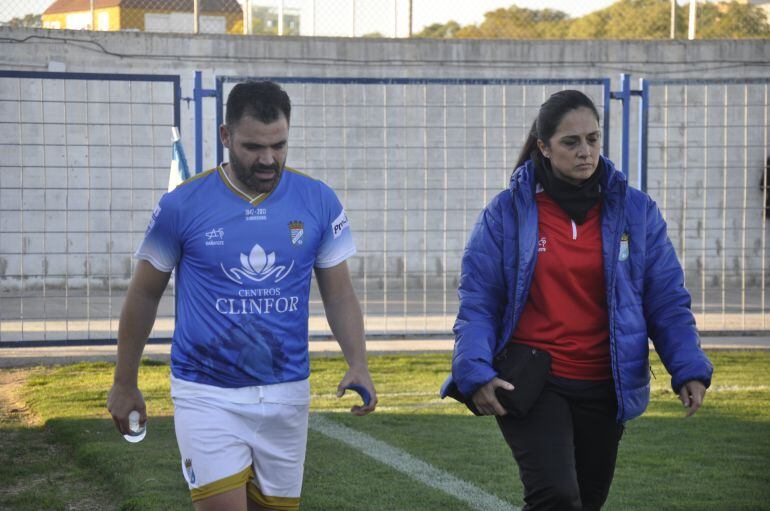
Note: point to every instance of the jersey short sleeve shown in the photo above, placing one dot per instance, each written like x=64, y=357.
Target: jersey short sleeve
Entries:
x=161, y=246
x=337, y=240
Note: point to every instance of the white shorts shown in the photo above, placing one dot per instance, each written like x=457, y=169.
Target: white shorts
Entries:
x=226, y=443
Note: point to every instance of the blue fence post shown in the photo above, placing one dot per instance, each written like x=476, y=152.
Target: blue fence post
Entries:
x=624, y=95
x=625, y=98
x=220, y=117
x=198, y=94
x=607, y=100
x=644, y=109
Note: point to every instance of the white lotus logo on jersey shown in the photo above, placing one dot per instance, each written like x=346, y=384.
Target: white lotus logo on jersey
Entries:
x=257, y=267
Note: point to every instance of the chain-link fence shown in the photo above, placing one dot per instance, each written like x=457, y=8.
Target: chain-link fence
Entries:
x=485, y=19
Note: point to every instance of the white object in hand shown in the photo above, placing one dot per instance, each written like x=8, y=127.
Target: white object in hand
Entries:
x=136, y=432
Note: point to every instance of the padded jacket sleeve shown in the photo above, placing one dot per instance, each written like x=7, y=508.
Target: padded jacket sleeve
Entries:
x=482, y=294
x=670, y=322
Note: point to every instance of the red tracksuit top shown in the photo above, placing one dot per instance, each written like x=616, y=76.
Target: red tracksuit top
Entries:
x=566, y=311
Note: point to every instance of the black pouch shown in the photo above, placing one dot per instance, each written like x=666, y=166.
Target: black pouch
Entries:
x=523, y=366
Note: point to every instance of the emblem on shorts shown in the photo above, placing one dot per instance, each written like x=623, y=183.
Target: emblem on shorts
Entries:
x=623, y=255
x=257, y=266
x=296, y=230
x=541, y=243
x=190, y=472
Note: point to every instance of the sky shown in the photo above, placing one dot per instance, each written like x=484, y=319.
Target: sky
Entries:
x=385, y=16
x=472, y=11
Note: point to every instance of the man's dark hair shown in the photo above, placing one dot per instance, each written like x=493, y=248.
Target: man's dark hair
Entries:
x=265, y=101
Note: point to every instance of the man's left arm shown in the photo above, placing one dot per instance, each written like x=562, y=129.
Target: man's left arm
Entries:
x=343, y=312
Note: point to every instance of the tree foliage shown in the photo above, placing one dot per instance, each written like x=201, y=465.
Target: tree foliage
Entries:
x=731, y=21
x=625, y=19
x=28, y=21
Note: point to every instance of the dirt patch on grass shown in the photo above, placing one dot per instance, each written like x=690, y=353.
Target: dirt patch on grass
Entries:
x=35, y=471
x=13, y=409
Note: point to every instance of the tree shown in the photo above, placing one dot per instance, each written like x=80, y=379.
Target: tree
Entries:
x=731, y=20
x=625, y=19
x=28, y=20
x=629, y=19
x=520, y=23
x=439, y=31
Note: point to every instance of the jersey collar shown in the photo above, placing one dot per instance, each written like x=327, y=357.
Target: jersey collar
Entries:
x=253, y=200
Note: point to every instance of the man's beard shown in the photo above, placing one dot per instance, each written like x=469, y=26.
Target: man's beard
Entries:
x=248, y=177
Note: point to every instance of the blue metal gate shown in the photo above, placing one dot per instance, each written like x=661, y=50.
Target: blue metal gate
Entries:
x=84, y=158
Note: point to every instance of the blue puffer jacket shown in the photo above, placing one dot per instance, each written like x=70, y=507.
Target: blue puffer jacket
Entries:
x=645, y=290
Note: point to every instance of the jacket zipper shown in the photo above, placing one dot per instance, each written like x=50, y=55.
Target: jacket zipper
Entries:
x=611, y=302
x=516, y=266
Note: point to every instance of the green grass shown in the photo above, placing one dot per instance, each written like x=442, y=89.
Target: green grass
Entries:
x=716, y=460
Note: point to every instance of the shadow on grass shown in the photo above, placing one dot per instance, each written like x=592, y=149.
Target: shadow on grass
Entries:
x=713, y=461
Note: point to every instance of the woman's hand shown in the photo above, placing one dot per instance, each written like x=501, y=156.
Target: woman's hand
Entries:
x=691, y=394
x=485, y=400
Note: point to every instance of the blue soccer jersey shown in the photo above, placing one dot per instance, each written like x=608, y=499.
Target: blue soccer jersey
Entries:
x=243, y=274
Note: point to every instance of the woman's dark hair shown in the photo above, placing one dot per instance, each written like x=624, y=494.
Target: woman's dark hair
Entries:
x=265, y=101
x=548, y=119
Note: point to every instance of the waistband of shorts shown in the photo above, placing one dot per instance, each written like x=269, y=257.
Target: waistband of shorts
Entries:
x=287, y=393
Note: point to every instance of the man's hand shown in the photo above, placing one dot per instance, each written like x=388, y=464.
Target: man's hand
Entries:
x=121, y=401
x=485, y=400
x=691, y=395
x=359, y=376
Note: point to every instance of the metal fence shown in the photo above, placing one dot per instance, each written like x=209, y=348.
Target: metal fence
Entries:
x=83, y=159
x=552, y=19
x=707, y=146
x=413, y=161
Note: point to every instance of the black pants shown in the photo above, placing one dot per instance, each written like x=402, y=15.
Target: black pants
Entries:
x=566, y=445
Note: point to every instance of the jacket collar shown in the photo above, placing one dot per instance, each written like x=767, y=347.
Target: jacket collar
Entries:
x=523, y=178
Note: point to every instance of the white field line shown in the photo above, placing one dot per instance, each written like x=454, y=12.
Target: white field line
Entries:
x=414, y=468
x=737, y=388
x=437, y=399
x=388, y=394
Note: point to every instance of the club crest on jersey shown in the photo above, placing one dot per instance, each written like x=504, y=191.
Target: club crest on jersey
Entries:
x=257, y=266
x=541, y=244
x=190, y=472
x=623, y=255
x=296, y=230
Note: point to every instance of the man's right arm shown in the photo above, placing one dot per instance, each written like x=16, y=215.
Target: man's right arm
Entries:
x=136, y=321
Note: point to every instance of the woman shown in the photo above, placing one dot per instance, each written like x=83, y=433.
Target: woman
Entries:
x=572, y=261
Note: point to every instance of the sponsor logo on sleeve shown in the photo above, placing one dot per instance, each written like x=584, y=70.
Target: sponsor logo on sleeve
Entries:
x=340, y=224
x=153, y=219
